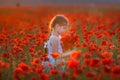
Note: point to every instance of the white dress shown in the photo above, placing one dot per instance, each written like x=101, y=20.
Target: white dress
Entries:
x=51, y=59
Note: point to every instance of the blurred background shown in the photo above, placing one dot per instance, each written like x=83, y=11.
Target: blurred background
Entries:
x=56, y=2
x=94, y=32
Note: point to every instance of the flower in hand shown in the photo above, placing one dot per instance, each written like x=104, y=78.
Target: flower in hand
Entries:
x=55, y=54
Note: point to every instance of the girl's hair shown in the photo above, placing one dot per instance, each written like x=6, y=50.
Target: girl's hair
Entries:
x=58, y=19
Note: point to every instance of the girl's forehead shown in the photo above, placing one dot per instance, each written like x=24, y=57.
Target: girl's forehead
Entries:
x=66, y=25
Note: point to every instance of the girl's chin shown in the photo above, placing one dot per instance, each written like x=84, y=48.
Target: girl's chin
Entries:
x=63, y=33
x=60, y=33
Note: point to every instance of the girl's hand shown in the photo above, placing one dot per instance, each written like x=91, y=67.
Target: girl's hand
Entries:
x=68, y=53
x=59, y=57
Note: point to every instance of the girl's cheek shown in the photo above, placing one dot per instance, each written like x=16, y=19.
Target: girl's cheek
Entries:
x=61, y=31
x=64, y=30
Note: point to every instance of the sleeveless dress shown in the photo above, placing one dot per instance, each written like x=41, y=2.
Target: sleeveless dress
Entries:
x=51, y=59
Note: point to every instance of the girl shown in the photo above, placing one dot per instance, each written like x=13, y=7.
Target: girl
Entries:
x=58, y=25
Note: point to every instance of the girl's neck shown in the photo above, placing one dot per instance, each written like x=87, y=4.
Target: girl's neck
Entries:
x=55, y=33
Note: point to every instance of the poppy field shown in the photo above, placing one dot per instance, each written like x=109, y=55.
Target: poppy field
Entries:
x=94, y=31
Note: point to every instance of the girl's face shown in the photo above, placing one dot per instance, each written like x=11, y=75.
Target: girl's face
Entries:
x=62, y=29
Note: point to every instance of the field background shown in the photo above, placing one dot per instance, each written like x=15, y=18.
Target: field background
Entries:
x=94, y=32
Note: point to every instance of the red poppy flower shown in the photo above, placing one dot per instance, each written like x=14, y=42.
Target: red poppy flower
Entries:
x=53, y=72
x=44, y=76
x=17, y=49
x=5, y=65
x=77, y=44
x=22, y=32
x=76, y=72
x=31, y=49
x=35, y=61
x=106, y=54
x=18, y=74
x=64, y=74
x=43, y=36
x=19, y=71
x=33, y=78
x=107, y=69
x=107, y=61
x=26, y=68
x=84, y=28
x=104, y=43
x=73, y=64
x=76, y=54
x=55, y=55
x=5, y=55
x=44, y=55
x=38, y=70
x=95, y=62
x=72, y=30
x=90, y=74
x=116, y=70
x=87, y=61
x=87, y=55
x=111, y=46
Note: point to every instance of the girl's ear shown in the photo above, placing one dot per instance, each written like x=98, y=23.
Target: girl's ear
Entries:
x=56, y=25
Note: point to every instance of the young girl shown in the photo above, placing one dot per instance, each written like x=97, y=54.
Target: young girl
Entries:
x=58, y=25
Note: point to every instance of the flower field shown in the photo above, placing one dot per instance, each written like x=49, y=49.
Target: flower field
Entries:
x=94, y=31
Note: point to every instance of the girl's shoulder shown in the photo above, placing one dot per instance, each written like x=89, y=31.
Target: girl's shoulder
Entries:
x=53, y=37
x=53, y=40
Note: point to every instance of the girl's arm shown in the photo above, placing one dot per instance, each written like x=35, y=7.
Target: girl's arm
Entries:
x=54, y=44
x=66, y=54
